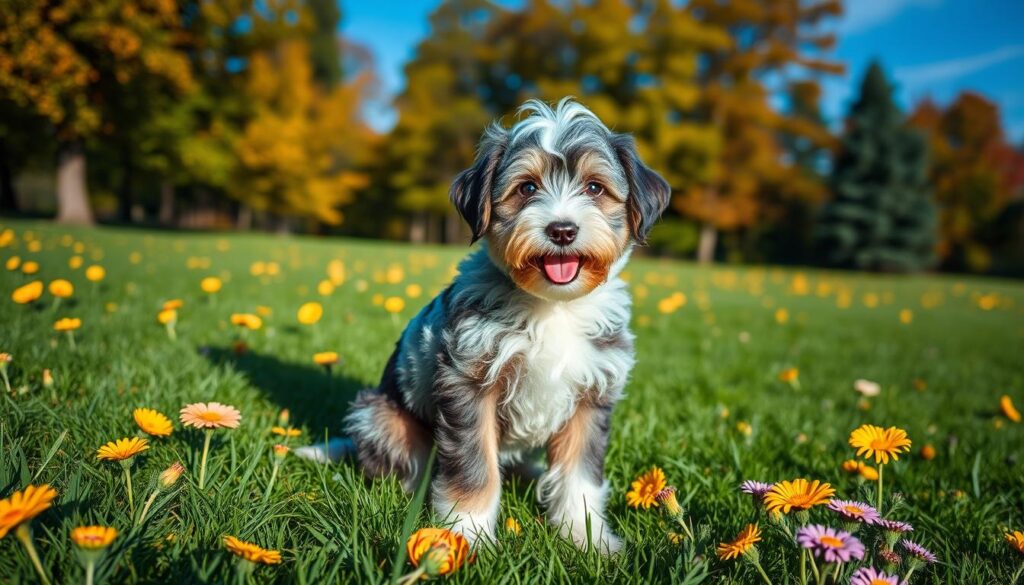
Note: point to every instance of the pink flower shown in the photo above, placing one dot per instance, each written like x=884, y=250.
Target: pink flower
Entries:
x=851, y=511
x=869, y=576
x=835, y=546
x=213, y=415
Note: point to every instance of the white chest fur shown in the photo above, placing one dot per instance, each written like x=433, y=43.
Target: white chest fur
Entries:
x=560, y=360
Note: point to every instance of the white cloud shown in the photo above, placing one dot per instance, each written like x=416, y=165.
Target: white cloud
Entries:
x=861, y=15
x=919, y=77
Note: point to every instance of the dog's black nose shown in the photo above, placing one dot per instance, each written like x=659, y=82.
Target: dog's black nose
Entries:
x=562, y=233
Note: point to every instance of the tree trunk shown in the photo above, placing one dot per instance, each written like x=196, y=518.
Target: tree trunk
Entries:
x=707, y=243
x=125, y=198
x=452, y=228
x=244, y=219
x=72, y=194
x=8, y=196
x=166, y=203
x=418, y=228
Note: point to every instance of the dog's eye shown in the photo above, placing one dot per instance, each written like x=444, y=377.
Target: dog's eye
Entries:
x=594, y=189
x=528, y=189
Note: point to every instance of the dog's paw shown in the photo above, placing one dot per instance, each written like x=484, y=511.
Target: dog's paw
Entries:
x=473, y=528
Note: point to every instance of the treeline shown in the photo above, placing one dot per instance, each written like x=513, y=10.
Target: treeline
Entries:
x=249, y=113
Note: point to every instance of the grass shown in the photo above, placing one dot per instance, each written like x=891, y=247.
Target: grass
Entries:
x=705, y=404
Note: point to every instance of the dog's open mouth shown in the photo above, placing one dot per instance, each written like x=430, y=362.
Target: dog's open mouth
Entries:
x=561, y=268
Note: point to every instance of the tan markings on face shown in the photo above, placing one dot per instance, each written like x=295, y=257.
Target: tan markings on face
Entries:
x=481, y=500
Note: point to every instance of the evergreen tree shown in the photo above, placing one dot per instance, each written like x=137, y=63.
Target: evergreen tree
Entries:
x=882, y=216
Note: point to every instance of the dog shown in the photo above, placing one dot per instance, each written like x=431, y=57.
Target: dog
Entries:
x=529, y=347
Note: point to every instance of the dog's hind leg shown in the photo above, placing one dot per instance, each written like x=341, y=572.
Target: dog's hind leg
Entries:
x=388, y=438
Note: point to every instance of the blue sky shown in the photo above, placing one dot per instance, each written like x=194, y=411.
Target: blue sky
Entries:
x=931, y=48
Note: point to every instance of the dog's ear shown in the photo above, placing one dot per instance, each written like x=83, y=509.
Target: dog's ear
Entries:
x=648, y=193
x=471, y=190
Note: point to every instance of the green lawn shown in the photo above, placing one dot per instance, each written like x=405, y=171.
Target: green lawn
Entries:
x=705, y=404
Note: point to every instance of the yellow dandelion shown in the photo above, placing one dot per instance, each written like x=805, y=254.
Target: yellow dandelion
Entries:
x=28, y=293
x=867, y=472
x=1009, y=410
x=310, y=313
x=645, y=488
x=251, y=552
x=67, y=324
x=394, y=305
x=152, y=422
x=512, y=526
x=789, y=375
x=13, y=263
x=285, y=432
x=798, y=494
x=75, y=262
x=173, y=304
x=871, y=441
x=326, y=358
x=247, y=320
x=210, y=284
x=23, y=506
x=61, y=288
x=95, y=273
x=741, y=544
x=122, y=449
x=30, y=267
x=167, y=316
x=93, y=537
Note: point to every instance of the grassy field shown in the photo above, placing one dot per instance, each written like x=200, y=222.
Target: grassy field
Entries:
x=705, y=404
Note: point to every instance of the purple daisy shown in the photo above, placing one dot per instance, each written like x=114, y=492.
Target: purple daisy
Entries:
x=895, y=526
x=869, y=576
x=835, y=546
x=918, y=552
x=755, y=488
x=851, y=511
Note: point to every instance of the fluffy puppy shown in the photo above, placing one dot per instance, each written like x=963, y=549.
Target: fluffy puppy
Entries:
x=529, y=347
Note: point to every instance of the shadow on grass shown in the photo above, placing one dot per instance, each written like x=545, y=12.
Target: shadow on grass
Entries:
x=316, y=400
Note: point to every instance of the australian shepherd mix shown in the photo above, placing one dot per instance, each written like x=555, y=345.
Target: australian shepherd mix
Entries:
x=529, y=348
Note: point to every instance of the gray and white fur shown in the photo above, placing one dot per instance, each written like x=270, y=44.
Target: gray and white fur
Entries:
x=514, y=356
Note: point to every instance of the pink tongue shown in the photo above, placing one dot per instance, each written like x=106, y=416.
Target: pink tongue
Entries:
x=561, y=269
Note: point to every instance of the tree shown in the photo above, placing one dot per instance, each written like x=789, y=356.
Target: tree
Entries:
x=64, y=60
x=769, y=41
x=882, y=216
x=975, y=173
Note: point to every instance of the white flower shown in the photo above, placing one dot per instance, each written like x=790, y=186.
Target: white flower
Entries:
x=867, y=387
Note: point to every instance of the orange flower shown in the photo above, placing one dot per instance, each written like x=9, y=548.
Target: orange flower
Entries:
x=67, y=324
x=23, y=506
x=1016, y=540
x=426, y=542
x=789, y=375
x=1009, y=410
x=173, y=305
x=251, y=552
x=93, y=537
x=283, y=432
x=645, y=488
x=167, y=316
x=741, y=544
x=325, y=358
x=213, y=415
x=28, y=293
x=247, y=320
x=95, y=273
x=122, y=449
x=210, y=284
x=152, y=422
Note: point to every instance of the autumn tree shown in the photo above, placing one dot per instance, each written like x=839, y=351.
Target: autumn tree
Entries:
x=975, y=174
x=63, y=60
x=882, y=216
x=769, y=40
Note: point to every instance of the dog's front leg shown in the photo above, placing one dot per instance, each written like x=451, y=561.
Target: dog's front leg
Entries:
x=467, y=486
x=574, y=489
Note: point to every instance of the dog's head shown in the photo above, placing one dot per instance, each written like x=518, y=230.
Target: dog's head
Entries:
x=559, y=198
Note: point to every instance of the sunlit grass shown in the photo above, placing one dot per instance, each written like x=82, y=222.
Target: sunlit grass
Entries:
x=706, y=404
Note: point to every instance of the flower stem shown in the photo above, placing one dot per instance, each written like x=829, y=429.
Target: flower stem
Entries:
x=90, y=569
x=7, y=381
x=835, y=574
x=881, y=468
x=71, y=340
x=202, y=465
x=803, y=566
x=145, y=508
x=128, y=485
x=906, y=579
x=25, y=536
x=814, y=569
x=764, y=575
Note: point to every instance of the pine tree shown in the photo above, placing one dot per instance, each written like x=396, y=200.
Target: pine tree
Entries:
x=882, y=216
